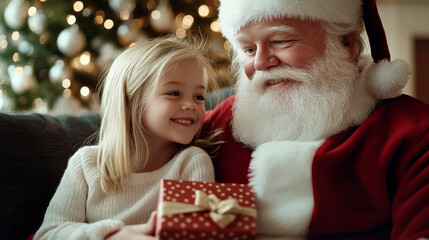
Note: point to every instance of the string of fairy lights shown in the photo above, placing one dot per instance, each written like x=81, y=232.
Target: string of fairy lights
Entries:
x=73, y=50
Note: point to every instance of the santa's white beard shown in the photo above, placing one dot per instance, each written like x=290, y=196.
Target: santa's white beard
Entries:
x=313, y=108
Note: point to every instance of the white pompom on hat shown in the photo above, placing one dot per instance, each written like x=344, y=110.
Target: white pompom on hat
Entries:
x=385, y=79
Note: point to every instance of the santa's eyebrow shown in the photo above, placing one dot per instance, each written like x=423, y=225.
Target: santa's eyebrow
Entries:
x=281, y=29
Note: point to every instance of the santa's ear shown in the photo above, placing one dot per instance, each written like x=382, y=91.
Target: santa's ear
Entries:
x=348, y=42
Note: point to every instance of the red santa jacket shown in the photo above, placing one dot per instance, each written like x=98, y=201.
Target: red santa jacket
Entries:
x=369, y=182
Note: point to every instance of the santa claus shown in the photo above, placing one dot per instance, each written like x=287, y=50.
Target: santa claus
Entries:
x=319, y=128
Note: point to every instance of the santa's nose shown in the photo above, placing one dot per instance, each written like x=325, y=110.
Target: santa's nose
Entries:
x=263, y=60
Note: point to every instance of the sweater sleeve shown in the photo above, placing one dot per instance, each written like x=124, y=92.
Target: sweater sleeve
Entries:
x=197, y=166
x=66, y=214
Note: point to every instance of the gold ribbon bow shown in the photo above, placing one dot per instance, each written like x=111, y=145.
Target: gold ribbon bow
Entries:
x=221, y=212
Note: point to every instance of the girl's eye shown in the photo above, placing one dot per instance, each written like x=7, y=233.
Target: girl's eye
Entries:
x=200, y=98
x=174, y=93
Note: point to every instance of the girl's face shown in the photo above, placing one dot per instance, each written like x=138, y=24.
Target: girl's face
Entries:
x=175, y=112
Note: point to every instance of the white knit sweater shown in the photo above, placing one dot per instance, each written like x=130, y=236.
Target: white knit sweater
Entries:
x=81, y=210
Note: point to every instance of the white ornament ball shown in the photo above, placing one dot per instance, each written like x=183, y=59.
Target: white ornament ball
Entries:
x=129, y=33
x=122, y=5
x=26, y=48
x=37, y=22
x=71, y=41
x=59, y=71
x=22, y=78
x=108, y=52
x=67, y=105
x=166, y=21
x=6, y=104
x=125, y=34
x=3, y=68
x=15, y=13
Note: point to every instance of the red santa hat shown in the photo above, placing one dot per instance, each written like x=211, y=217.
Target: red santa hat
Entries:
x=386, y=78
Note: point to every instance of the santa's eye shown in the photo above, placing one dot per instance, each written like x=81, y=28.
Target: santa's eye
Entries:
x=249, y=51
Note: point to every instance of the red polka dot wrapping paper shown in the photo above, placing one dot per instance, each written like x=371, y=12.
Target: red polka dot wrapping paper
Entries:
x=198, y=225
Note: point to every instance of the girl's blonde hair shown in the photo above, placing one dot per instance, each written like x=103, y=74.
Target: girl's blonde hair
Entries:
x=127, y=86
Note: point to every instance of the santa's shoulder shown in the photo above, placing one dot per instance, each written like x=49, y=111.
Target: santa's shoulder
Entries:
x=403, y=117
x=404, y=108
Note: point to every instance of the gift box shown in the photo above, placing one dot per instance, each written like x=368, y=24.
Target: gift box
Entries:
x=205, y=210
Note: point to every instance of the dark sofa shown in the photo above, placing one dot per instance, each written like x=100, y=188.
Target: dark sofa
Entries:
x=34, y=150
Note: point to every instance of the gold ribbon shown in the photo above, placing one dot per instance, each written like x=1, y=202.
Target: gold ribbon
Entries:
x=221, y=212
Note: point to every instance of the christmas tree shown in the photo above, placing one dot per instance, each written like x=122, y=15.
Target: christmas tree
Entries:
x=52, y=51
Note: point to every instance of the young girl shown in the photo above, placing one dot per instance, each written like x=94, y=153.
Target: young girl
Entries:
x=152, y=109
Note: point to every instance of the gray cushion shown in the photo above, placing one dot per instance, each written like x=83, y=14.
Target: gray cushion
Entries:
x=34, y=150
x=215, y=97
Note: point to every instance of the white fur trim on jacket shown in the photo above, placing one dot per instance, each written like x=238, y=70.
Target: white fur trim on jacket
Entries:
x=281, y=178
x=234, y=14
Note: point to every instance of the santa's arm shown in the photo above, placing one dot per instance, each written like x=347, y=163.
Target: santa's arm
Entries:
x=410, y=204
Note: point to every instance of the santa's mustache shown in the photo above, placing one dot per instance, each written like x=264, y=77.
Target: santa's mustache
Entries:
x=280, y=74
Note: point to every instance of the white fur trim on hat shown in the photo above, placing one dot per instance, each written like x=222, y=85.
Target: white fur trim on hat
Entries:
x=387, y=79
x=234, y=14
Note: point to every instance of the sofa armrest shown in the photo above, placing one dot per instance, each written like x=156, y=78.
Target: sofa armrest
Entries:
x=34, y=150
